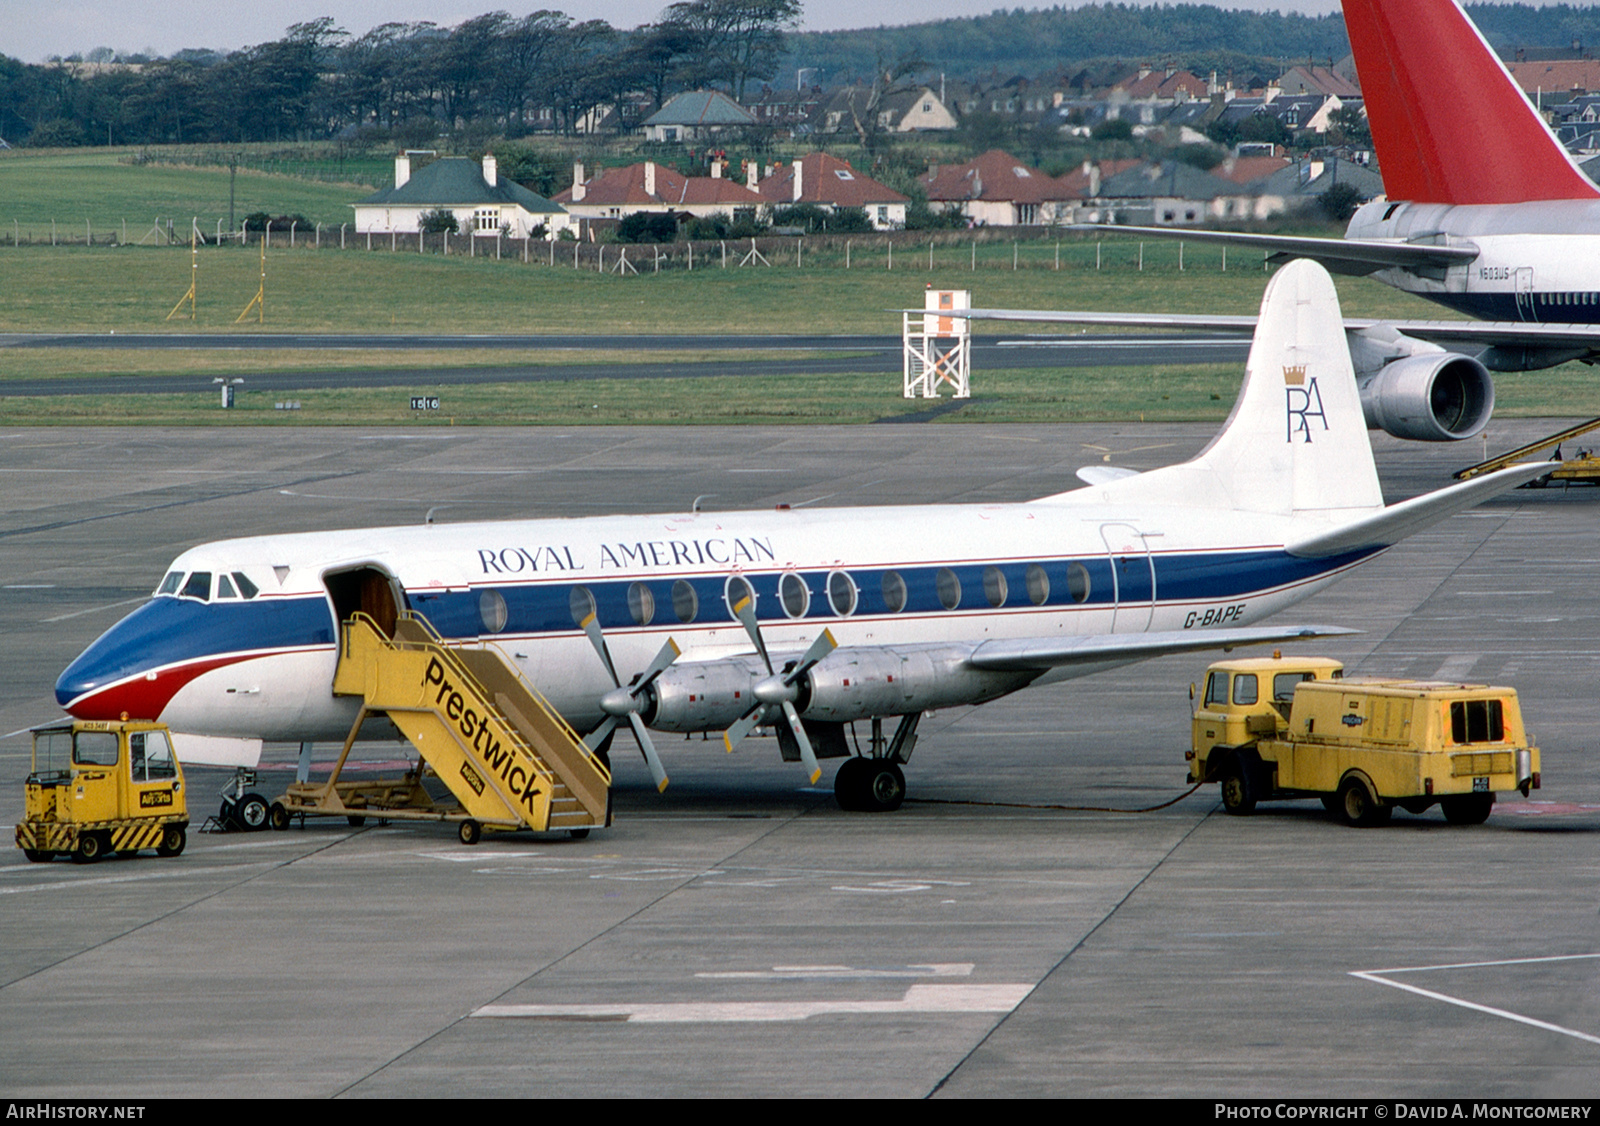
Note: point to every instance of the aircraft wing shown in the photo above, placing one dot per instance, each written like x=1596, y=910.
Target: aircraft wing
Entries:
x=1019, y=654
x=1539, y=338
x=1340, y=256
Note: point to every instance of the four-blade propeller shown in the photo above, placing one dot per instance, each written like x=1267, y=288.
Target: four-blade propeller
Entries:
x=624, y=701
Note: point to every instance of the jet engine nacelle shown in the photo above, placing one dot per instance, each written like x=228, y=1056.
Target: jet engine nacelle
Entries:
x=1432, y=397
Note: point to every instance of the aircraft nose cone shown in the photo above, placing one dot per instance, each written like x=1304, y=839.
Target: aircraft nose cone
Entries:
x=618, y=702
x=773, y=691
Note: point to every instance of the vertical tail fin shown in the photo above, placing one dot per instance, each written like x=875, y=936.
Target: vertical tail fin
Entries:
x=1449, y=123
x=1296, y=442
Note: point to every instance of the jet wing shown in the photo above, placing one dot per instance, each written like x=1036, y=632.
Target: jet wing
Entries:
x=1340, y=256
x=1538, y=339
x=1020, y=654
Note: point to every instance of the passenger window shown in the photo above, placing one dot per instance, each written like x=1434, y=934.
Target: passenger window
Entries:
x=198, y=586
x=1038, y=585
x=1078, y=582
x=994, y=587
x=641, y=604
x=794, y=594
x=949, y=588
x=685, y=602
x=246, y=588
x=1245, y=688
x=95, y=748
x=894, y=592
x=735, y=591
x=169, y=585
x=492, y=610
x=842, y=594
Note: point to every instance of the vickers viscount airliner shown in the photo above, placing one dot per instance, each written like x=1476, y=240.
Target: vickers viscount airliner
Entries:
x=806, y=621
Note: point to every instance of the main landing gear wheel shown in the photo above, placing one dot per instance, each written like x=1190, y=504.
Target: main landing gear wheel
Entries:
x=1467, y=809
x=250, y=812
x=470, y=832
x=173, y=838
x=869, y=785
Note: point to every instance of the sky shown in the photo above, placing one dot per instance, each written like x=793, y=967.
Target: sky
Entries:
x=34, y=30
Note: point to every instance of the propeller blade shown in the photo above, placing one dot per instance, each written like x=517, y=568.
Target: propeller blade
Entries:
x=669, y=653
x=596, y=738
x=648, y=749
x=591, y=626
x=741, y=727
x=745, y=611
x=820, y=648
x=807, y=755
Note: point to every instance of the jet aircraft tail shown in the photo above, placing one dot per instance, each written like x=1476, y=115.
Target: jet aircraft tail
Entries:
x=1449, y=123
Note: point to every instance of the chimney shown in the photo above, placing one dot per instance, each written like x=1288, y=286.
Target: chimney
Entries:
x=649, y=177
x=578, y=190
x=402, y=170
x=491, y=170
x=752, y=173
x=796, y=196
x=716, y=169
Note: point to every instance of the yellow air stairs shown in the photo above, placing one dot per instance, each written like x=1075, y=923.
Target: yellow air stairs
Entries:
x=508, y=758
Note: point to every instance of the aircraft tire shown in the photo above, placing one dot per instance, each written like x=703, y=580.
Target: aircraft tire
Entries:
x=848, y=785
x=173, y=838
x=251, y=813
x=1467, y=809
x=883, y=786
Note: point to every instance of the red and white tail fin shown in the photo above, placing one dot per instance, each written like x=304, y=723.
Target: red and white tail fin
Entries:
x=1449, y=123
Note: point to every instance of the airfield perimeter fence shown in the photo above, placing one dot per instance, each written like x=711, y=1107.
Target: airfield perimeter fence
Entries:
x=978, y=249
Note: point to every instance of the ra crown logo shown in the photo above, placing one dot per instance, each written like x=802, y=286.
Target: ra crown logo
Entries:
x=1301, y=401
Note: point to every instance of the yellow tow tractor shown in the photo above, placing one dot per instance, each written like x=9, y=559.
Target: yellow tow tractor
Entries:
x=102, y=787
x=1276, y=728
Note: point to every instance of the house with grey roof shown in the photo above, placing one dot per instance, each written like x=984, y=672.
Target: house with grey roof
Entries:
x=484, y=202
x=696, y=115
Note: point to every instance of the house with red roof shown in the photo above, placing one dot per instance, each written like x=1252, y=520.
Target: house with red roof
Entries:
x=998, y=190
x=616, y=193
x=831, y=183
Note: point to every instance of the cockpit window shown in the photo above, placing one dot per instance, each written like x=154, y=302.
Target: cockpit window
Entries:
x=198, y=586
x=247, y=589
x=225, y=587
x=169, y=585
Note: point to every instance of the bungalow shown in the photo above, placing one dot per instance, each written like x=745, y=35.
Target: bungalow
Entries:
x=696, y=115
x=616, y=193
x=482, y=201
x=998, y=190
x=831, y=183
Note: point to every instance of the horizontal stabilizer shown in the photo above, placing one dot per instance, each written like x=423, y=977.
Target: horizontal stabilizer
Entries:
x=1398, y=521
x=1104, y=474
x=1024, y=653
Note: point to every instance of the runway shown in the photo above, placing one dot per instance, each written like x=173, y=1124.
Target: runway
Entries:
x=814, y=355
x=740, y=935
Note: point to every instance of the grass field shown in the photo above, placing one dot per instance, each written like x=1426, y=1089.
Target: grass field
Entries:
x=100, y=189
x=103, y=289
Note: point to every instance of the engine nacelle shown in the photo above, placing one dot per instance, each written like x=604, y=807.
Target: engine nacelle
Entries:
x=702, y=695
x=1430, y=397
x=860, y=683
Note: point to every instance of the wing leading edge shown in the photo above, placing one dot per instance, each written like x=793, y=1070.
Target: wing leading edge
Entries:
x=1355, y=257
x=1041, y=653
